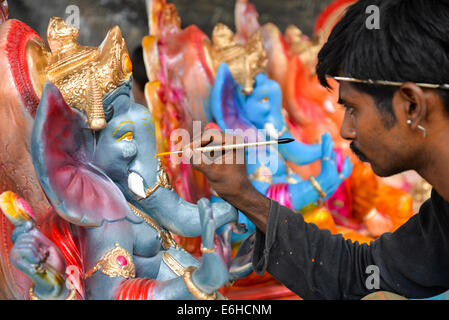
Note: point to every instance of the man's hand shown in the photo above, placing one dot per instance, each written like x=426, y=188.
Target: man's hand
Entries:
x=226, y=171
x=227, y=175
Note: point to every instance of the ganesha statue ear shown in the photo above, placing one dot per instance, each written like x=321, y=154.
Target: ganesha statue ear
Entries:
x=226, y=101
x=61, y=148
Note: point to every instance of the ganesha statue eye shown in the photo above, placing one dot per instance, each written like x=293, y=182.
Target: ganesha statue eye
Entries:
x=128, y=136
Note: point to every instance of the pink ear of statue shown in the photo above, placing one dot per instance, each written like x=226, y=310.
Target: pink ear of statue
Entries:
x=61, y=149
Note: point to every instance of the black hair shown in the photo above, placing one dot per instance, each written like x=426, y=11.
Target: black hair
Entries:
x=411, y=44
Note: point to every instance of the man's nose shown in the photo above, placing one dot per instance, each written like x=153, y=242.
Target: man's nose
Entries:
x=347, y=131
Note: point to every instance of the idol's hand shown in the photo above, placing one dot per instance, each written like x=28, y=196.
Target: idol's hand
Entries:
x=212, y=273
x=329, y=178
x=40, y=260
x=33, y=253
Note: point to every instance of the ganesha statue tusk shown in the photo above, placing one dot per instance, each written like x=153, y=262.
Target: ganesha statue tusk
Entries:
x=87, y=138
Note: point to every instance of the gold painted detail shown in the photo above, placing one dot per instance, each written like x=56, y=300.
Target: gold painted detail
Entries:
x=207, y=250
x=116, y=262
x=317, y=187
x=173, y=264
x=193, y=289
x=165, y=235
x=162, y=181
x=290, y=173
x=33, y=296
x=291, y=180
x=83, y=74
x=95, y=111
x=244, y=61
x=186, y=273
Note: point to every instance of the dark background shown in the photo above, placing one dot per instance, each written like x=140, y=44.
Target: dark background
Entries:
x=98, y=16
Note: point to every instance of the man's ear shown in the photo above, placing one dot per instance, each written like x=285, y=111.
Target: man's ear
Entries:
x=413, y=104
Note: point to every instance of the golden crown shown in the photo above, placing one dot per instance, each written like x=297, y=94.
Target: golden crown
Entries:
x=245, y=61
x=83, y=74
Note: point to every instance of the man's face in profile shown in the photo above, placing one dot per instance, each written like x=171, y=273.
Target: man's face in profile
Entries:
x=372, y=141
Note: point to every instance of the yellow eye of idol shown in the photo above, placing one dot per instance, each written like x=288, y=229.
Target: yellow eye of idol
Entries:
x=127, y=136
x=127, y=65
x=264, y=99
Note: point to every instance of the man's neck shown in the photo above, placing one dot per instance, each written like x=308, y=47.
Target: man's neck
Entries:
x=435, y=170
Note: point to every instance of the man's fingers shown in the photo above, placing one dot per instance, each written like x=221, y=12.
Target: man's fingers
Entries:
x=211, y=135
x=214, y=137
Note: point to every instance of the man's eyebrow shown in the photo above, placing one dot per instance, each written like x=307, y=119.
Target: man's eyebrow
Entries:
x=121, y=124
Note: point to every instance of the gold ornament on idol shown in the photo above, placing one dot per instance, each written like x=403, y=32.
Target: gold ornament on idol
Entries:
x=244, y=61
x=116, y=262
x=317, y=187
x=162, y=181
x=193, y=289
x=173, y=264
x=33, y=296
x=84, y=75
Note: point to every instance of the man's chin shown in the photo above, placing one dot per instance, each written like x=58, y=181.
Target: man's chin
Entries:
x=383, y=173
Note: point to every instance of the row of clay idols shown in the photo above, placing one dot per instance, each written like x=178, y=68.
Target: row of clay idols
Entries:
x=188, y=82
x=182, y=68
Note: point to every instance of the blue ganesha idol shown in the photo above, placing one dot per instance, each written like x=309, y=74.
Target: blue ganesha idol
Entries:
x=260, y=111
x=116, y=208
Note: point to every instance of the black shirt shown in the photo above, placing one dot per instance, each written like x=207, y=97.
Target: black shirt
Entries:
x=412, y=262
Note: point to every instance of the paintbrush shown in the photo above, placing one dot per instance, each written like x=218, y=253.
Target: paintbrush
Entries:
x=232, y=146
